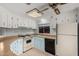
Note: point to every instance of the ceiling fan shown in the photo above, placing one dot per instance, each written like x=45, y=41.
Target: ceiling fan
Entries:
x=37, y=13
x=54, y=6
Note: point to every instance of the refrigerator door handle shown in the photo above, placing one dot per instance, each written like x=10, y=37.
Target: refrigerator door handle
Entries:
x=56, y=34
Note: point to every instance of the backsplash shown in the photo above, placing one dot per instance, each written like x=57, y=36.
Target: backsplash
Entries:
x=11, y=31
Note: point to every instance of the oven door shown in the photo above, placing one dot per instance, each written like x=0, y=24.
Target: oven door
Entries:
x=27, y=44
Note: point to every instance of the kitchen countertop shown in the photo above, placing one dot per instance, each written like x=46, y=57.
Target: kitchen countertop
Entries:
x=49, y=36
x=4, y=37
x=44, y=35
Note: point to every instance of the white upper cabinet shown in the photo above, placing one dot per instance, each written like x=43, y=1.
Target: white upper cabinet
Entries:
x=34, y=25
x=29, y=23
x=4, y=20
x=20, y=22
x=0, y=20
x=26, y=22
x=10, y=20
x=14, y=20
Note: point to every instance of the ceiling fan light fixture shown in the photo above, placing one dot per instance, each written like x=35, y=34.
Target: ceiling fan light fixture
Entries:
x=34, y=13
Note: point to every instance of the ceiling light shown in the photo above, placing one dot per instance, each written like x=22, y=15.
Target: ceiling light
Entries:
x=34, y=13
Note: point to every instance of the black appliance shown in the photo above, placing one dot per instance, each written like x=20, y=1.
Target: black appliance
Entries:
x=44, y=29
x=50, y=46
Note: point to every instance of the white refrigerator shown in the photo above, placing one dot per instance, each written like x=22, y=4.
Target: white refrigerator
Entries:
x=67, y=39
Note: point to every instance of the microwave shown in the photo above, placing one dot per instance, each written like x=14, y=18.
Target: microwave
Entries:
x=44, y=29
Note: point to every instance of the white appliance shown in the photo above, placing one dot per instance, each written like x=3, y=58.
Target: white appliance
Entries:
x=67, y=37
x=27, y=43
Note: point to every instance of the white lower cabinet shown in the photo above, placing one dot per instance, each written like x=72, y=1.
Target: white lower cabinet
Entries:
x=17, y=46
x=39, y=43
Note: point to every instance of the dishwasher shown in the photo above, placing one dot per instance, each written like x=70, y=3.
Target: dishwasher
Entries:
x=50, y=45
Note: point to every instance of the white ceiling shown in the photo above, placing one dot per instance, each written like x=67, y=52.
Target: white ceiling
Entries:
x=21, y=8
x=69, y=7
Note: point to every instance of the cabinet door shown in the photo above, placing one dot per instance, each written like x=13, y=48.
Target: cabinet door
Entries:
x=35, y=42
x=26, y=22
x=29, y=23
x=17, y=46
x=1, y=20
x=4, y=20
x=10, y=20
x=38, y=43
x=33, y=24
x=20, y=45
x=20, y=24
x=14, y=47
x=19, y=21
x=41, y=44
x=15, y=22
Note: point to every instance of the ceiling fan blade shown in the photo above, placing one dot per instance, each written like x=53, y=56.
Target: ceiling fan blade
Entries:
x=28, y=3
x=44, y=9
x=62, y=3
x=57, y=11
x=53, y=5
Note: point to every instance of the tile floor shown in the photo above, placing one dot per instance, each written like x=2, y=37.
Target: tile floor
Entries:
x=35, y=52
